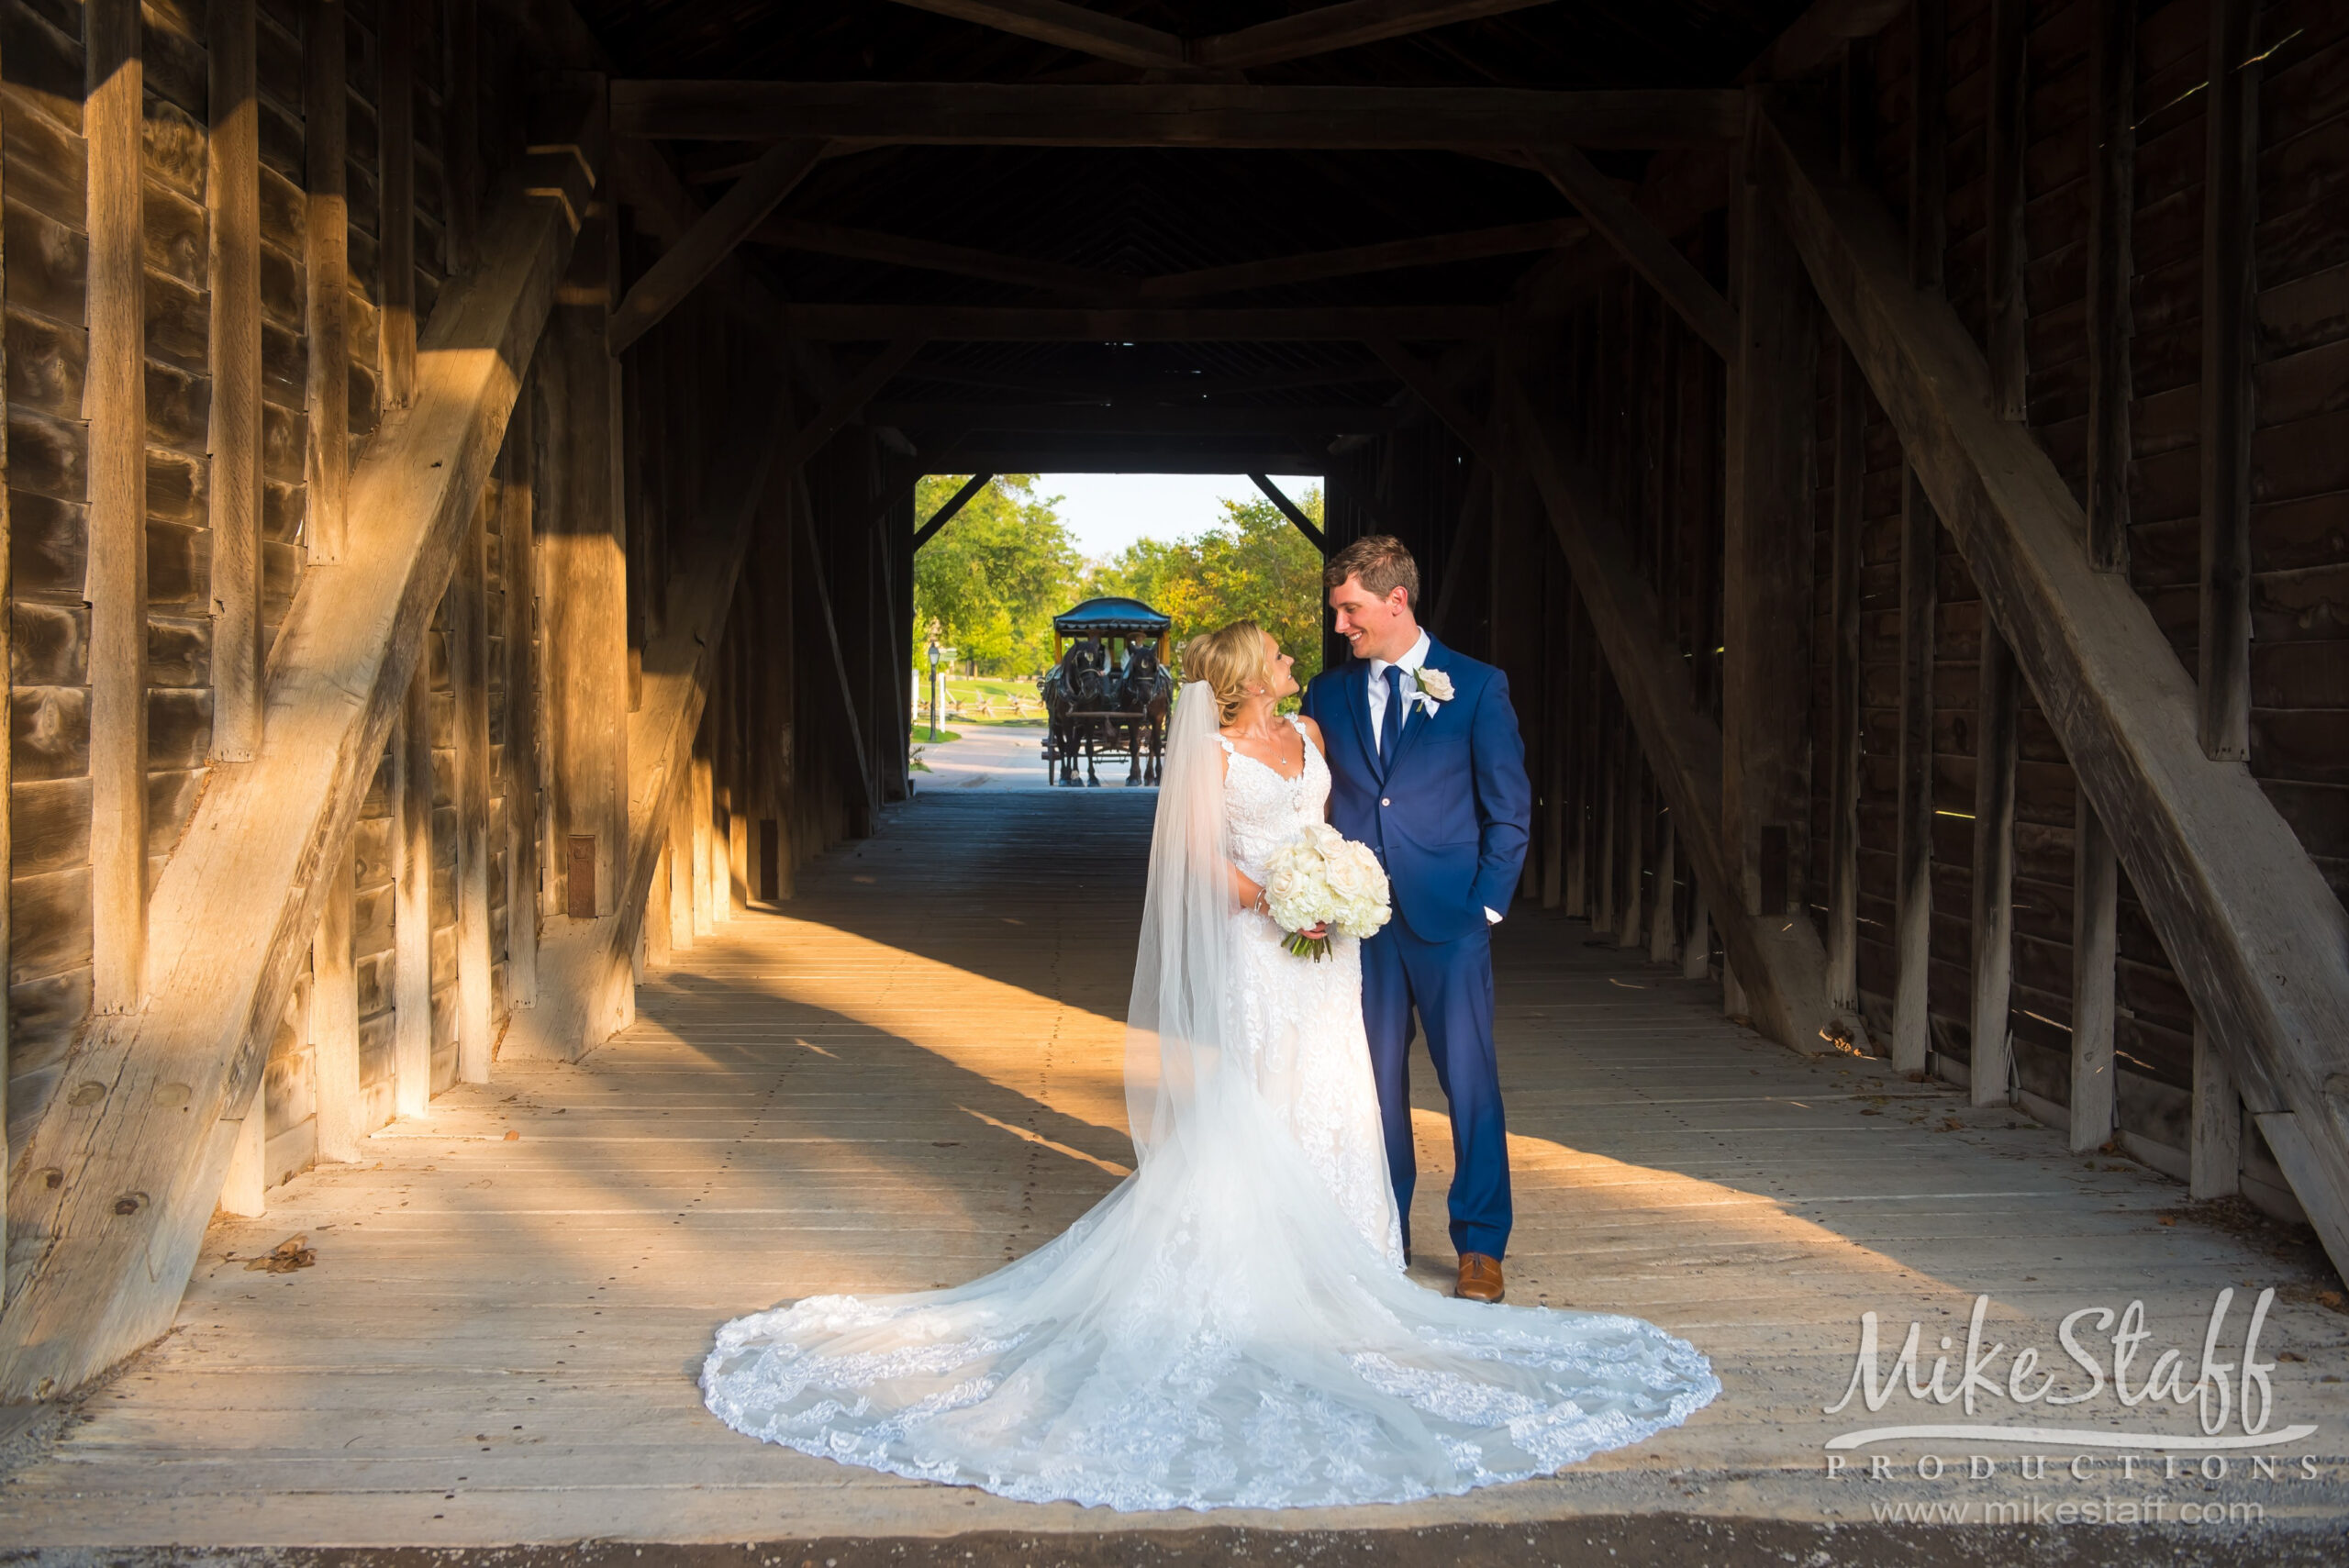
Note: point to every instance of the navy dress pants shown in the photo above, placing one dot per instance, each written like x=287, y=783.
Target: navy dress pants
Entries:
x=1450, y=984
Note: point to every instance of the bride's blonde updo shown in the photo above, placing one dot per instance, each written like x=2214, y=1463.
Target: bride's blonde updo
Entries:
x=1229, y=660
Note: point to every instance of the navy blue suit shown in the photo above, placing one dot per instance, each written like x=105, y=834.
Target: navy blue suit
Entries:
x=1448, y=816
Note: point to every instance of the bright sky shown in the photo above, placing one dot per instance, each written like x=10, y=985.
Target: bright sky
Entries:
x=1106, y=512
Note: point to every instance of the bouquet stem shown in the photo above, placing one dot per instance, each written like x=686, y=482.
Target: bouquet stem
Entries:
x=1304, y=946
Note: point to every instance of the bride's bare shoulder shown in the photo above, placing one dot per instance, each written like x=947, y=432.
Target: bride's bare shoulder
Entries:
x=1312, y=732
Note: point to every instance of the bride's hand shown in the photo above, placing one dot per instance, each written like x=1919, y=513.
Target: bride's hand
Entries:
x=1248, y=894
x=1316, y=931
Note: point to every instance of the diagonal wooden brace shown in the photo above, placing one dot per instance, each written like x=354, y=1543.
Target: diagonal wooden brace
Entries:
x=2257, y=937
x=123, y=1168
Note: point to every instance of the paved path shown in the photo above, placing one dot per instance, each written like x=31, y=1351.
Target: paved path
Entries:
x=913, y=1076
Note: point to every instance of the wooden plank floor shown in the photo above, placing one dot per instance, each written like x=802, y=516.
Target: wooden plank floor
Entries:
x=913, y=1076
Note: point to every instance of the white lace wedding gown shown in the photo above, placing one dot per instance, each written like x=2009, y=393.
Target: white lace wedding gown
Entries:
x=1230, y=1328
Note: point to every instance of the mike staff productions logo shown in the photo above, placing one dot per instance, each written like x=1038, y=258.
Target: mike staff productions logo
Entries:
x=2106, y=1407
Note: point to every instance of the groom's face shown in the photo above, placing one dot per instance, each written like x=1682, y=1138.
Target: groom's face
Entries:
x=1374, y=627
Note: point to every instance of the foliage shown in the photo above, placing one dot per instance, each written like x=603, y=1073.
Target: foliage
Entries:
x=1253, y=565
x=995, y=577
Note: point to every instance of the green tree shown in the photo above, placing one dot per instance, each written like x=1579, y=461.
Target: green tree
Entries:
x=1252, y=565
x=995, y=577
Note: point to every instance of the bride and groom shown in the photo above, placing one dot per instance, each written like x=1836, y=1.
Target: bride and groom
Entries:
x=1232, y=1325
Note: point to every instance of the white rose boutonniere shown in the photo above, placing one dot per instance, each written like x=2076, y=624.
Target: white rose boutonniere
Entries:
x=1435, y=686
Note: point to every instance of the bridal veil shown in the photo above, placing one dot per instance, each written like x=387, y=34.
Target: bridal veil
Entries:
x=1215, y=1332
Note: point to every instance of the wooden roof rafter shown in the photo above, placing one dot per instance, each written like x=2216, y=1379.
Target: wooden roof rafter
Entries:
x=1317, y=31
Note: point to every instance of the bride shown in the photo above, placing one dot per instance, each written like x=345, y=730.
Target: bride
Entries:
x=1230, y=1327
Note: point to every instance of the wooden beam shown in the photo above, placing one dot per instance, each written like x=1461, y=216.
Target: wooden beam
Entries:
x=999, y=324
x=104, y=1253
x=1324, y=420
x=525, y=835
x=115, y=394
x=2256, y=933
x=1996, y=727
x=1927, y=142
x=1341, y=118
x=2229, y=350
x=232, y=191
x=1291, y=511
x=1845, y=676
x=395, y=193
x=1650, y=252
x=954, y=503
x=712, y=239
x=1767, y=566
x=1043, y=454
x=1778, y=962
x=2112, y=203
x=1428, y=384
x=1355, y=260
x=1158, y=388
x=1912, y=864
x=468, y=610
x=412, y=897
x=938, y=256
x=1065, y=25
x=2214, y=1154
x=2006, y=140
x=461, y=44
x=1818, y=34
x=2095, y=926
x=334, y=1018
x=326, y=240
x=1324, y=28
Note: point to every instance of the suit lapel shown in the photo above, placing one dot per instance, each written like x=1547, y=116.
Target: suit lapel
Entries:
x=1414, y=724
x=1356, y=686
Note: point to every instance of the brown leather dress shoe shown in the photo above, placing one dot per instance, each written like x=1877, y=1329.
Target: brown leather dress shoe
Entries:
x=1480, y=1278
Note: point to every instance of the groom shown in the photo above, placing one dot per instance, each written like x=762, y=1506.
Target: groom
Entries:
x=1428, y=769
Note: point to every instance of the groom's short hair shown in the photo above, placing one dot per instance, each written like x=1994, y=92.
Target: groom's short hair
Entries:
x=1379, y=562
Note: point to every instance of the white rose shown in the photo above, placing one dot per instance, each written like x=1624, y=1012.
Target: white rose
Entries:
x=1436, y=683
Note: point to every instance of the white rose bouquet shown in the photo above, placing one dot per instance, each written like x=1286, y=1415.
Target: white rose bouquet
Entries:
x=1323, y=878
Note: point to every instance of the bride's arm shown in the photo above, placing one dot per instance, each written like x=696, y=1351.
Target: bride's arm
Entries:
x=1313, y=733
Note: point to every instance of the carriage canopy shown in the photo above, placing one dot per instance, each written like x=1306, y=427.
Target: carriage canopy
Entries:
x=1111, y=617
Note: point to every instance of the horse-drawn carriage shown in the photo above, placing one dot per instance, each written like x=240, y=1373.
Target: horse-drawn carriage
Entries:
x=1108, y=689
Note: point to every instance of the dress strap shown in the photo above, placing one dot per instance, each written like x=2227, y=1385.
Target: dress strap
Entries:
x=1225, y=743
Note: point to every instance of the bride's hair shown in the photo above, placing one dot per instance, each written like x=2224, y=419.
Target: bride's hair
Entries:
x=1228, y=660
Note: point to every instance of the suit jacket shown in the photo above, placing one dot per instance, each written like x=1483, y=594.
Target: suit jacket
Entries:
x=1450, y=815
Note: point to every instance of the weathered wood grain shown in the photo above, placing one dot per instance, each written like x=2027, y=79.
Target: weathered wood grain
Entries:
x=2230, y=209
x=396, y=195
x=237, y=906
x=468, y=612
x=1649, y=252
x=730, y=220
x=232, y=278
x=2227, y=886
x=1997, y=723
x=325, y=242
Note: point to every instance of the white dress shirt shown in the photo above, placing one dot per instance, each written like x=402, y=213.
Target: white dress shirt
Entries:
x=1417, y=656
x=1411, y=660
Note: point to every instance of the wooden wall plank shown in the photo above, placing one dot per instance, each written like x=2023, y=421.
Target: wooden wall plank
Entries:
x=2229, y=348
x=1996, y=725
x=334, y=1018
x=2112, y=166
x=1913, y=867
x=412, y=898
x=525, y=833
x=468, y=609
x=116, y=402
x=2096, y=883
x=395, y=190
x=326, y=230
x=2007, y=145
x=1843, y=763
x=2214, y=1154
x=1927, y=140
x=232, y=189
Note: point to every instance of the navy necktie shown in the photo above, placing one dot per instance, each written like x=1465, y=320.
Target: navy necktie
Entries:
x=1393, y=724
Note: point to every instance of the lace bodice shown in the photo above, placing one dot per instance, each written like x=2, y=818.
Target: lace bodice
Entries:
x=1264, y=811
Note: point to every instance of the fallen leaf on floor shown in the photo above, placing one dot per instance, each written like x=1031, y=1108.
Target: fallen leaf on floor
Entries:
x=293, y=1252
x=512, y=1136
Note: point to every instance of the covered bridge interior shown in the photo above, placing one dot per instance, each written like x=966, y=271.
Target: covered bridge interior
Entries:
x=460, y=505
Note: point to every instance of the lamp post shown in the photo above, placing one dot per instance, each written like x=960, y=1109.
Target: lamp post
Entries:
x=938, y=657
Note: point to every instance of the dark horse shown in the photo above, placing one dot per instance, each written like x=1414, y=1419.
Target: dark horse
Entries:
x=1146, y=690
x=1075, y=692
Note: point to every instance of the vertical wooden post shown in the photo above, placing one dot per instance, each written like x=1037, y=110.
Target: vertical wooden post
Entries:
x=704, y=794
x=325, y=242
x=1661, y=917
x=1767, y=564
x=1556, y=620
x=411, y=898
x=233, y=185
x=1606, y=785
x=2230, y=349
x=1843, y=690
x=334, y=1018
x=2112, y=200
x=1913, y=861
x=583, y=598
x=469, y=687
x=659, y=949
x=395, y=189
x=115, y=396
x=2214, y=1164
x=2004, y=142
x=738, y=790
x=1630, y=826
x=1997, y=717
x=518, y=563
x=680, y=856
x=1696, y=953
x=1927, y=142
x=461, y=26
x=2096, y=888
